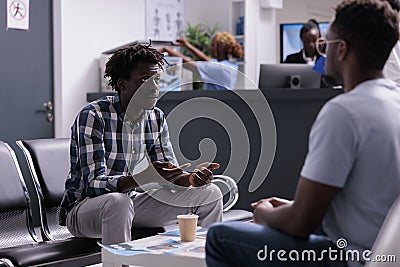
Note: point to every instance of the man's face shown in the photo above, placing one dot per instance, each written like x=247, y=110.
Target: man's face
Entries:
x=142, y=88
x=332, y=66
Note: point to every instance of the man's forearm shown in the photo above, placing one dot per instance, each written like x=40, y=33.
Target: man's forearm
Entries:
x=183, y=181
x=126, y=183
x=284, y=218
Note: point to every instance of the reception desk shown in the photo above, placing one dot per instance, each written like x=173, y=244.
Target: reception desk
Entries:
x=293, y=111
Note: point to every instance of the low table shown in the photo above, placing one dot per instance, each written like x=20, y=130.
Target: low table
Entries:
x=158, y=250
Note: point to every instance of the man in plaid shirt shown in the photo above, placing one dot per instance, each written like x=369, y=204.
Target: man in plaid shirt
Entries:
x=112, y=140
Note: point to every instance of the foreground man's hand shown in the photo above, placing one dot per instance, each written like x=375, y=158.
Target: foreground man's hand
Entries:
x=167, y=170
x=201, y=176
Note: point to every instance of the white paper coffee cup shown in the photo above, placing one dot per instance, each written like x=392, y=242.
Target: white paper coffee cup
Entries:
x=187, y=227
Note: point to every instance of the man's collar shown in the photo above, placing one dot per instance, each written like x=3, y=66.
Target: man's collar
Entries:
x=120, y=112
x=117, y=105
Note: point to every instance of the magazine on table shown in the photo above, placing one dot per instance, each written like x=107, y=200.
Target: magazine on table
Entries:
x=200, y=232
x=164, y=244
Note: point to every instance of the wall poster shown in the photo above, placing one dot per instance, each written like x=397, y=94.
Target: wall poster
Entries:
x=165, y=19
x=18, y=14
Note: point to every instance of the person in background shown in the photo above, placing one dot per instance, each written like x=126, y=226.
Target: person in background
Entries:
x=351, y=174
x=110, y=138
x=309, y=34
x=392, y=66
x=218, y=72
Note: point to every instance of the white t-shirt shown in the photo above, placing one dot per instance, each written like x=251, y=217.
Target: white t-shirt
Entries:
x=218, y=75
x=355, y=145
x=391, y=69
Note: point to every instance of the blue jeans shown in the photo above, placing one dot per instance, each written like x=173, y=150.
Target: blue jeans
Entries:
x=248, y=244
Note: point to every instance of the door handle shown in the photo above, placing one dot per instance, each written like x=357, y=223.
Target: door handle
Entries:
x=48, y=105
x=49, y=110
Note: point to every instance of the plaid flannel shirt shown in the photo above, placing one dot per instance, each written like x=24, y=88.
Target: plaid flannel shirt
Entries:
x=100, y=153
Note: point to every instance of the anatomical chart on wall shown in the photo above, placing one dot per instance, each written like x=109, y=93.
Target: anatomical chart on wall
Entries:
x=165, y=19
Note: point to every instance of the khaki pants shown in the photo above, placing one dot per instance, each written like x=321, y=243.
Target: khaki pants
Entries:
x=111, y=216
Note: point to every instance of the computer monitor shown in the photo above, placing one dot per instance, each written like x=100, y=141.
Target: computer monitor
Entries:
x=290, y=41
x=296, y=76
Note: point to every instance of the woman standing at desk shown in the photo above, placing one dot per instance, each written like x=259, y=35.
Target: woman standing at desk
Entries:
x=218, y=72
x=309, y=34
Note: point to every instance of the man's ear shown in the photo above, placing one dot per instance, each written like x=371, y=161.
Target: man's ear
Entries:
x=121, y=83
x=343, y=51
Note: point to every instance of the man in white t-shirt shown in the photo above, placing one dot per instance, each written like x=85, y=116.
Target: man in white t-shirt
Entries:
x=351, y=175
x=392, y=66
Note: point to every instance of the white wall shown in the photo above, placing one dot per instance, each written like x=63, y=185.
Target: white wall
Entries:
x=209, y=12
x=260, y=26
x=84, y=29
x=302, y=10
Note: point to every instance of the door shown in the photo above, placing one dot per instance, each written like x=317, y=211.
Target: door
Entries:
x=26, y=79
x=26, y=75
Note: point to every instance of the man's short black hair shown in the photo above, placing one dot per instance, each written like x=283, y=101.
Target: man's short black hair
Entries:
x=369, y=27
x=125, y=60
x=311, y=24
x=395, y=4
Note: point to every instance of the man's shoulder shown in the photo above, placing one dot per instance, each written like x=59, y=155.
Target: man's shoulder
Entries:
x=157, y=112
x=362, y=97
x=100, y=104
